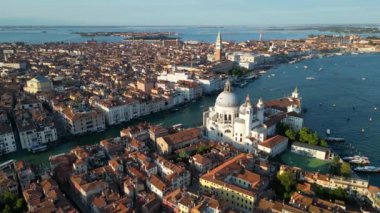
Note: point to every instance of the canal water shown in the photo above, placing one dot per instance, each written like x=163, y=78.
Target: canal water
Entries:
x=343, y=97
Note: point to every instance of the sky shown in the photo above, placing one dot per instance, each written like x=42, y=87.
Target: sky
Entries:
x=188, y=12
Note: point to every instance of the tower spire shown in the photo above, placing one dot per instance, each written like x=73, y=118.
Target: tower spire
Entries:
x=227, y=86
x=248, y=101
x=218, y=47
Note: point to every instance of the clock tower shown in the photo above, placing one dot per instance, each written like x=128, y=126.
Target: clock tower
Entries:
x=218, y=48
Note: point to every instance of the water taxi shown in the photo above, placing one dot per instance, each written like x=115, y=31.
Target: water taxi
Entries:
x=38, y=148
x=333, y=139
x=367, y=169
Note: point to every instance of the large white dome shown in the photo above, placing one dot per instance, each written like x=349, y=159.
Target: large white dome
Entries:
x=227, y=98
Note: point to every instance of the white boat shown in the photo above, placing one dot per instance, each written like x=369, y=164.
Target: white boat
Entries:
x=310, y=78
x=354, y=157
x=305, y=67
x=360, y=161
x=328, y=131
x=38, y=148
x=355, y=53
x=367, y=169
x=332, y=139
x=273, y=75
x=363, y=79
x=262, y=72
x=320, y=69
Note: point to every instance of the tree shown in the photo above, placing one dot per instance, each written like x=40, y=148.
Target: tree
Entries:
x=9, y=202
x=323, y=143
x=202, y=149
x=286, y=180
x=183, y=154
x=291, y=134
x=313, y=139
x=304, y=135
x=345, y=169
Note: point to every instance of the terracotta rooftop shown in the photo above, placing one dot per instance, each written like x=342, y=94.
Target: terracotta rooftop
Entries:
x=183, y=136
x=273, y=141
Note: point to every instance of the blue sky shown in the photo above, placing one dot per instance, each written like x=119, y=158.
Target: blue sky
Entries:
x=188, y=12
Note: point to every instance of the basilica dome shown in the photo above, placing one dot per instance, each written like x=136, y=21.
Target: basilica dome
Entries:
x=227, y=98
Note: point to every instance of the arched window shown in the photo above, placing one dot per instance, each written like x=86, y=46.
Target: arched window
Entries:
x=227, y=131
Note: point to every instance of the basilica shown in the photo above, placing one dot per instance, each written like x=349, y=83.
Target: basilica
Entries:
x=247, y=125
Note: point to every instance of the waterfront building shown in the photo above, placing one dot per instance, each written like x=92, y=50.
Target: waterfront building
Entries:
x=82, y=121
x=170, y=143
x=210, y=84
x=311, y=150
x=189, y=90
x=246, y=60
x=38, y=84
x=7, y=138
x=115, y=111
x=246, y=126
x=233, y=184
x=218, y=48
x=35, y=127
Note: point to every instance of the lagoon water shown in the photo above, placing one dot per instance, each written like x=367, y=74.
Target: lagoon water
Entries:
x=345, y=82
x=207, y=34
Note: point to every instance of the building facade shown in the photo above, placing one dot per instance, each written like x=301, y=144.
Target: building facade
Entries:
x=38, y=84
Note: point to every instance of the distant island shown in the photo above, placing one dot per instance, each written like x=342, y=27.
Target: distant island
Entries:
x=133, y=35
x=344, y=29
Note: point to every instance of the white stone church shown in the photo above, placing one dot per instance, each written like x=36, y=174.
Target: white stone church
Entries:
x=247, y=125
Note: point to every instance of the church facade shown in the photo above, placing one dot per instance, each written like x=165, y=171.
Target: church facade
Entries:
x=246, y=125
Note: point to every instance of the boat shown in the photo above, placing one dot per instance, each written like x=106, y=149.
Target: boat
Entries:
x=370, y=119
x=250, y=77
x=38, y=148
x=363, y=79
x=262, y=72
x=334, y=139
x=375, y=108
x=305, y=67
x=328, y=131
x=348, y=158
x=363, y=130
x=310, y=78
x=367, y=169
x=100, y=130
x=320, y=69
x=354, y=53
x=273, y=75
x=243, y=84
x=360, y=161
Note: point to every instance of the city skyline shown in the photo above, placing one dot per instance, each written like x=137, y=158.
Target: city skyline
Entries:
x=194, y=12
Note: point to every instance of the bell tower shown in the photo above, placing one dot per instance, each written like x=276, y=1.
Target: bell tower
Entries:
x=218, y=48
